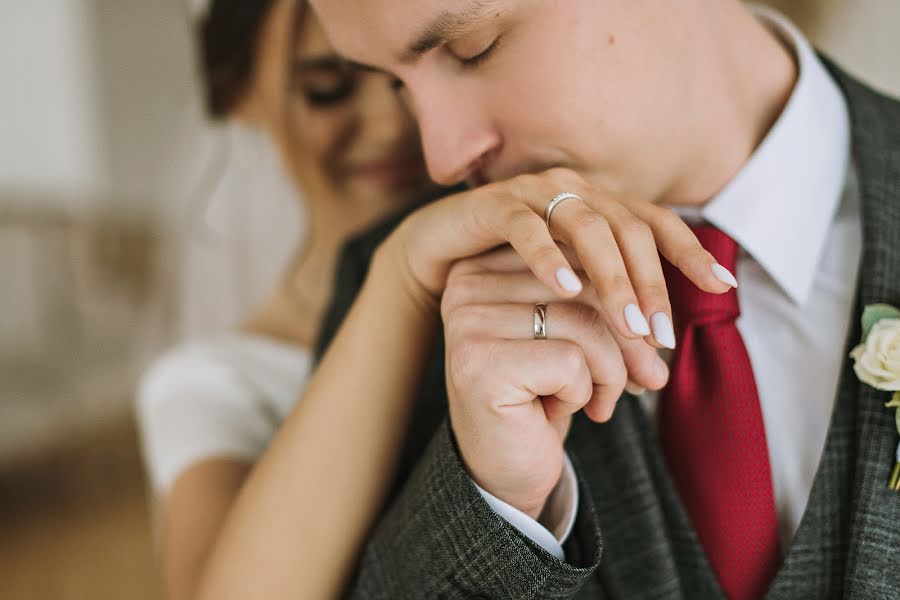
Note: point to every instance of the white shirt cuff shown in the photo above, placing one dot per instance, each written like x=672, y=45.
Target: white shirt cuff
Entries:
x=559, y=513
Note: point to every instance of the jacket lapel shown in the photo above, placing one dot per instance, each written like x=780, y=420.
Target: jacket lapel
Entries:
x=874, y=527
x=649, y=546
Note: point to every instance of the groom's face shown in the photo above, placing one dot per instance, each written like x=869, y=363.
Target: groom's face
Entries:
x=502, y=87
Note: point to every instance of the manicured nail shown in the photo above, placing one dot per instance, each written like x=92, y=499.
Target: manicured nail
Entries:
x=724, y=275
x=568, y=280
x=634, y=389
x=636, y=321
x=663, y=330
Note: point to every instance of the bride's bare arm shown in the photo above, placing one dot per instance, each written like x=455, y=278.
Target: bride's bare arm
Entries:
x=303, y=513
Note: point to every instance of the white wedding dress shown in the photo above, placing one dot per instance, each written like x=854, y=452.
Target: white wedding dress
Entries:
x=222, y=397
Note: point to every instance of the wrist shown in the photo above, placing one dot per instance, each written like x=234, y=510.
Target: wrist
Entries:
x=532, y=505
x=391, y=270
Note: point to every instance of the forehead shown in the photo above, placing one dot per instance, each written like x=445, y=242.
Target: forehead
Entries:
x=376, y=32
x=310, y=38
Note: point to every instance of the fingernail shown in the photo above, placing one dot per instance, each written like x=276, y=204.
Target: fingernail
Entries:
x=724, y=275
x=663, y=330
x=636, y=321
x=634, y=389
x=568, y=280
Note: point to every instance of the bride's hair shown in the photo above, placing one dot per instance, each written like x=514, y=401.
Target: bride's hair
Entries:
x=228, y=39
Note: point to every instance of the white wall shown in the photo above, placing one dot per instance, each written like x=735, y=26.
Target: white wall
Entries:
x=862, y=35
x=51, y=129
x=98, y=105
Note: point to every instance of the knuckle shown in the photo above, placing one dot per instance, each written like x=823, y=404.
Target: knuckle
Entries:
x=526, y=182
x=619, y=285
x=469, y=318
x=566, y=177
x=571, y=359
x=657, y=292
x=462, y=321
x=451, y=299
x=585, y=315
x=618, y=377
x=545, y=255
x=520, y=218
x=586, y=222
x=665, y=216
x=459, y=268
x=466, y=286
x=632, y=227
x=464, y=361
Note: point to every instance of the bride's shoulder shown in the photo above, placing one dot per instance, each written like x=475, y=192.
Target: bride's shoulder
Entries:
x=233, y=364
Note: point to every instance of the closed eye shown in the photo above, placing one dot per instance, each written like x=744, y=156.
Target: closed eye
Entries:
x=477, y=60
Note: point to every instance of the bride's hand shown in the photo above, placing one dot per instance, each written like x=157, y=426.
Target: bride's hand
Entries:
x=617, y=243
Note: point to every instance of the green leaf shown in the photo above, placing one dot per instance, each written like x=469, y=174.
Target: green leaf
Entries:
x=895, y=401
x=876, y=312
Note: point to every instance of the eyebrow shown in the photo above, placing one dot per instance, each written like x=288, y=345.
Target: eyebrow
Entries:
x=319, y=63
x=444, y=27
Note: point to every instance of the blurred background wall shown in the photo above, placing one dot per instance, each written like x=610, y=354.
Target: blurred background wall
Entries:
x=128, y=222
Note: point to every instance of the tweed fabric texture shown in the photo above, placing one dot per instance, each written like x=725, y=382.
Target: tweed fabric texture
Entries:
x=436, y=537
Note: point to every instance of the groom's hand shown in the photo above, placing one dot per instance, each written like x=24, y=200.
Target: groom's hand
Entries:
x=512, y=397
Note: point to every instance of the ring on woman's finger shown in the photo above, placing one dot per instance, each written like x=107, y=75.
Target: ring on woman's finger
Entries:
x=540, y=321
x=556, y=201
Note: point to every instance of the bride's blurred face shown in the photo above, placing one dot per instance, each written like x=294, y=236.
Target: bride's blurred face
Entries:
x=345, y=133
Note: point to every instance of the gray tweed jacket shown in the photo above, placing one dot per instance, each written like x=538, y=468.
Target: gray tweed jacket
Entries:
x=437, y=538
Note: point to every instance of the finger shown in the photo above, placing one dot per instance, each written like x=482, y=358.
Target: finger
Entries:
x=527, y=233
x=492, y=287
x=642, y=261
x=591, y=235
x=678, y=244
x=504, y=259
x=645, y=367
x=574, y=322
x=503, y=269
x=470, y=223
x=554, y=370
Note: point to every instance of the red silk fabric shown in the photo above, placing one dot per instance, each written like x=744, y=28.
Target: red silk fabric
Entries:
x=713, y=434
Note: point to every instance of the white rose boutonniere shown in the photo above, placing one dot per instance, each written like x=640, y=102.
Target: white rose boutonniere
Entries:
x=877, y=362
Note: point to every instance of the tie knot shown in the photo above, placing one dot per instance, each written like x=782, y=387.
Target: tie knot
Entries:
x=690, y=304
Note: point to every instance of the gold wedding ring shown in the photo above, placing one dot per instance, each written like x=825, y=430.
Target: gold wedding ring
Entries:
x=557, y=200
x=540, y=321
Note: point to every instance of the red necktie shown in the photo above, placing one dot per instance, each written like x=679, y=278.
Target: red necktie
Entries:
x=712, y=432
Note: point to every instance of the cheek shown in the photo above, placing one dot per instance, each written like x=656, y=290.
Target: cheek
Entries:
x=591, y=101
x=322, y=135
x=557, y=69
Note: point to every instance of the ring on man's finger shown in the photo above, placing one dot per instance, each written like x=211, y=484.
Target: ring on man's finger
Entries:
x=540, y=321
x=556, y=201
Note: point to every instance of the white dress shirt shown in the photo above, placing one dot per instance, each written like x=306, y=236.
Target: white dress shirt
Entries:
x=794, y=210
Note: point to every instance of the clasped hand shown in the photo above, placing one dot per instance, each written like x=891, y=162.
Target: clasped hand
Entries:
x=489, y=257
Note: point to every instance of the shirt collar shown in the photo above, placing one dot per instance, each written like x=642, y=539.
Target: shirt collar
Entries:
x=780, y=205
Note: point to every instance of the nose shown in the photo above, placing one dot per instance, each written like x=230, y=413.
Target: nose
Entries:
x=457, y=135
x=387, y=121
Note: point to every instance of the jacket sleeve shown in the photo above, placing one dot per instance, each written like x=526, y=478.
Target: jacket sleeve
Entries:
x=440, y=539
